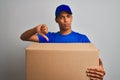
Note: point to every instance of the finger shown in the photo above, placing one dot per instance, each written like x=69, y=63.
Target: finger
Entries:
x=91, y=78
x=46, y=37
x=96, y=72
x=43, y=26
x=38, y=28
x=44, y=30
x=95, y=75
x=99, y=70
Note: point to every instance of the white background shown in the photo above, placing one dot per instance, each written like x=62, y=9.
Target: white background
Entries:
x=98, y=19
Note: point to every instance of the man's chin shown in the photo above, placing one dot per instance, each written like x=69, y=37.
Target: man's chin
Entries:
x=66, y=28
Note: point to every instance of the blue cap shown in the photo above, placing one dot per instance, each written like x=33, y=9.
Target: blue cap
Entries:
x=62, y=8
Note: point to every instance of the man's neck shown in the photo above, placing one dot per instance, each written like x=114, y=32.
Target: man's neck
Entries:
x=65, y=32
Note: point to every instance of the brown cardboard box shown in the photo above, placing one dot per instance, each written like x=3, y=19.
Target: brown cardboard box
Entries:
x=59, y=61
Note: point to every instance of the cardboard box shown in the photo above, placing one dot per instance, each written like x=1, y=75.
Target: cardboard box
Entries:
x=59, y=61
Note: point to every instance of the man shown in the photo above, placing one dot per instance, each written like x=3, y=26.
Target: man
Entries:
x=65, y=35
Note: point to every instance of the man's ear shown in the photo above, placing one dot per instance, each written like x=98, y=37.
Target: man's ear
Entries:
x=56, y=20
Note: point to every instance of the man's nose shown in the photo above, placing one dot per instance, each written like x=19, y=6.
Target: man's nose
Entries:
x=65, y=19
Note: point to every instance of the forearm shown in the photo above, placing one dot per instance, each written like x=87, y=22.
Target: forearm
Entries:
x=27, y=34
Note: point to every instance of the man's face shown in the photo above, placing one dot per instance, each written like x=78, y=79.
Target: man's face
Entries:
x=64, y=20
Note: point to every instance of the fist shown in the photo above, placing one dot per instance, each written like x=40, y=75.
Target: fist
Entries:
x=42, y=29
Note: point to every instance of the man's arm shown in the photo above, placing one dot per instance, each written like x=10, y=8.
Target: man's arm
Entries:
x=31, y=34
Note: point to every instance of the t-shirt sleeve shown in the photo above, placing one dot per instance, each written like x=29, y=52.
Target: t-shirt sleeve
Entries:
x=41, y=39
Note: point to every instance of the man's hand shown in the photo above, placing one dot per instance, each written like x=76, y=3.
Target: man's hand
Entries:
x=42, y=30
x=96, y=73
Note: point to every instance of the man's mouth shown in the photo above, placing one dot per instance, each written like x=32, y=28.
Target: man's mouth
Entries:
x=66, y=25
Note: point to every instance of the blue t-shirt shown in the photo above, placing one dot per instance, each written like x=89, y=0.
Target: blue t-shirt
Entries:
x=73, y=37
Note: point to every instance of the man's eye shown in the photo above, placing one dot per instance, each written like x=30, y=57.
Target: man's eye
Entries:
x=61, y=17
x=68, y=16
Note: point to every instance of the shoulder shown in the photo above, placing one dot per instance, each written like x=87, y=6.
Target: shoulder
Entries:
x=82, y=37
x=77, y=33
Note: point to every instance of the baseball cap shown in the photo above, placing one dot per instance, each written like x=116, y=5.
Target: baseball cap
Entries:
x=62, y=8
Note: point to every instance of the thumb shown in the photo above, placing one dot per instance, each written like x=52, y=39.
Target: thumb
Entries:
x=100, y=63
x=43, y=35
x=101, y=66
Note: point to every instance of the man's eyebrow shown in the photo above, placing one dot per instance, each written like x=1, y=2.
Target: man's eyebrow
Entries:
x=61, y=16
